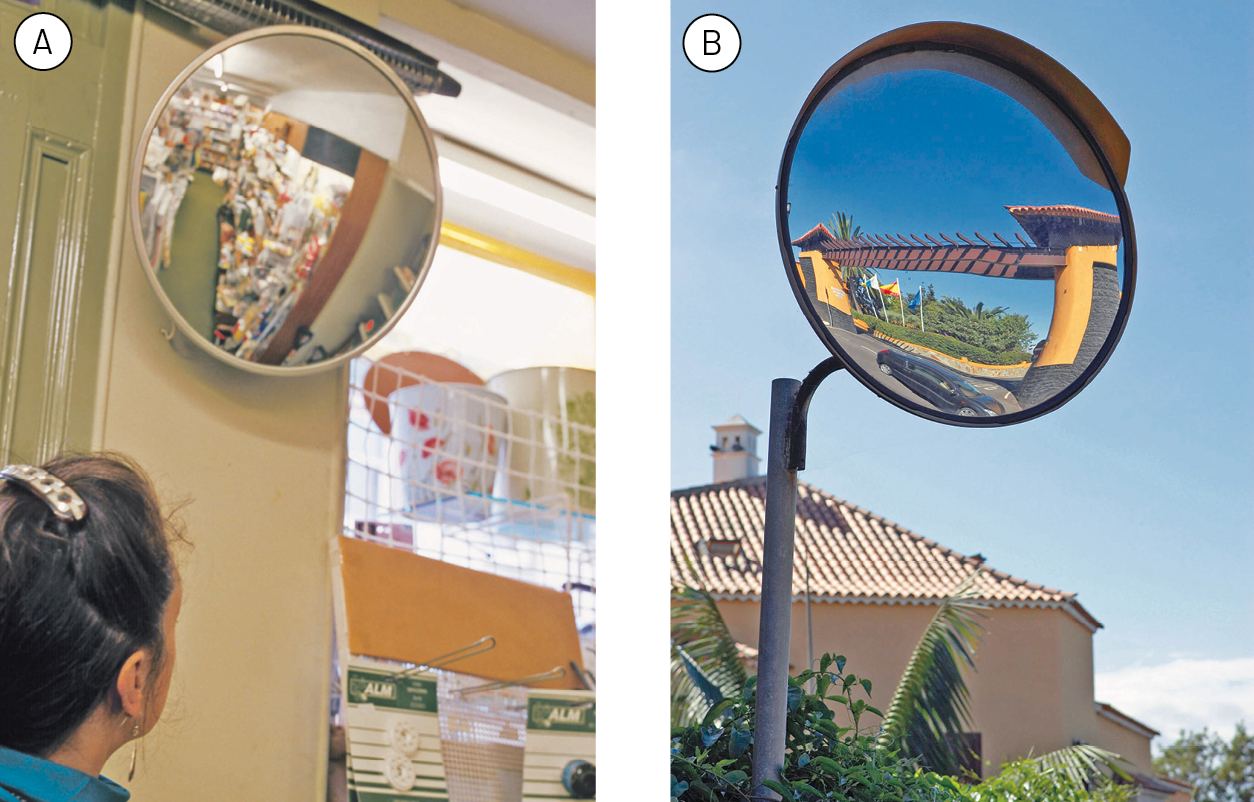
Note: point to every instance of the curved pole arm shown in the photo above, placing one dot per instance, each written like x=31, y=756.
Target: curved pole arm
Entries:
x=801, y=409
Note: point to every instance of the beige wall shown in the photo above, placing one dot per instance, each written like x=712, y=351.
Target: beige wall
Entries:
x=262, y=460
x=1032, y=691
x=1117, y=738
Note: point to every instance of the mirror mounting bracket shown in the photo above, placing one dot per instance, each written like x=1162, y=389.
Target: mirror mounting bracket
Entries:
x=796, y=432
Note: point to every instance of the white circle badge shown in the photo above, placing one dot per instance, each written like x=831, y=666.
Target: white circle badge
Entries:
x=711, y=42
x=43, y=41
x=405, y=738
x=399, y=771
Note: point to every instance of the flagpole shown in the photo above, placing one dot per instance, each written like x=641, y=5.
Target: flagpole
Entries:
x=921, y=323
x=901, y=302
x=880, y=295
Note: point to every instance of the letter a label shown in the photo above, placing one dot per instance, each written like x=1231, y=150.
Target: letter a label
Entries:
x=43, y=41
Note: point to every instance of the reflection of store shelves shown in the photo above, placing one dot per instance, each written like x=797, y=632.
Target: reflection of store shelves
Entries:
x=406, y=278
x=533, y=520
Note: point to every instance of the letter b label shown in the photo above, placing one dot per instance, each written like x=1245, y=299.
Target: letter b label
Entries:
x=711, y=43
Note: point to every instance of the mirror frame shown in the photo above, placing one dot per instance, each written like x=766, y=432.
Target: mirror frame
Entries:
x=137, y=166
x=1068, y=95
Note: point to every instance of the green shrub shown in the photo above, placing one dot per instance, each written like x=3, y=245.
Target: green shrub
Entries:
x=946, y=345
x=1028, y=781
x=712, y=761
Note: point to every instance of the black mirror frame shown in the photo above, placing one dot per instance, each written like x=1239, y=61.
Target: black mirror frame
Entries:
x=1076, y=102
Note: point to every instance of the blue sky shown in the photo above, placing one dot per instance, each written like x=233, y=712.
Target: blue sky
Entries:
x=925, y=151
x=1137, y=493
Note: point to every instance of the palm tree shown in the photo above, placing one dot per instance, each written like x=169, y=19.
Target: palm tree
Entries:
x=842, y=226
x=978, y=314
x=705, y=663
x=929, y=710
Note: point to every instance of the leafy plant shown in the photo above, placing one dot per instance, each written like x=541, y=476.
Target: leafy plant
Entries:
x=842, y=226
x=1218, y=770
x=930, y=709
x=957, y=307
x=1083, y=763
x=950, y=346
x=1029, y=780
x=712, y=760
x=705, y=664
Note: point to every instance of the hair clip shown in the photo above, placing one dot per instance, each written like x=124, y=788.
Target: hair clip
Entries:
x=65, y=503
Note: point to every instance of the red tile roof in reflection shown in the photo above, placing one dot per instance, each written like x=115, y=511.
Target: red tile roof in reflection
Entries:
x=855, y=556
x=1064, y=211
x=816, y=238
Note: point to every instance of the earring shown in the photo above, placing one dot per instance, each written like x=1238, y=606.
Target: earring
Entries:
x=130, y=775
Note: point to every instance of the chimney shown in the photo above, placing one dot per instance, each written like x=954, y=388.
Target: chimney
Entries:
x=735, y=450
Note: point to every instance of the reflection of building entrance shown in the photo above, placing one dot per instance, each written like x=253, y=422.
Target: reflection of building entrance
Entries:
x=1074, y=247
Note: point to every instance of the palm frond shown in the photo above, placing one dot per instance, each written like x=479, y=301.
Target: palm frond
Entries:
x=1083, y=762
x=704, y=658
x=930, y=707
x=842, y=226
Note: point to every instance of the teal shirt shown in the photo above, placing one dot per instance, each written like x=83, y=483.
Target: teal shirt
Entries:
x=39, y=780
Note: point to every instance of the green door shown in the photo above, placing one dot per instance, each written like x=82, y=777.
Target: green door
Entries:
x=60, y=141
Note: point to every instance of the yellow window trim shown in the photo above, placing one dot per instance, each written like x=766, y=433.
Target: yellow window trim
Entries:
x=478, y=244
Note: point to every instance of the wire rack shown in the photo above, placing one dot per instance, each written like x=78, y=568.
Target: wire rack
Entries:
x=457, y=473
x=482, y=738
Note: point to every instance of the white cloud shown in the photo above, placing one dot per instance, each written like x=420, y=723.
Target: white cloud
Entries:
x=1185, y=693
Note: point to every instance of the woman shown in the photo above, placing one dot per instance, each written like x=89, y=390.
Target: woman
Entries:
x=89, y=595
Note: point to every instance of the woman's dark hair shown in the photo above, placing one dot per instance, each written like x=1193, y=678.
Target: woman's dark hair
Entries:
x=77, y=598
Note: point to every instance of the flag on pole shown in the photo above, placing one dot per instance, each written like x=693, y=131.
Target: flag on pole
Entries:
x=872, y=282
x=891, y=289
x=916, y=300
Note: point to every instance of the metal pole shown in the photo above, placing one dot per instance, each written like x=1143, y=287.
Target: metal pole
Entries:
x=809, y=624
x=774, y=630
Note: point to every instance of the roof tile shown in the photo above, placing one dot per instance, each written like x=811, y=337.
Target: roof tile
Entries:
x=854, y=555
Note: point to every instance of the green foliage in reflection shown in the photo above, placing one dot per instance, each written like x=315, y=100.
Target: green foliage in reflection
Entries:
x=842, y=226
x=994, y=330
x=946, y=345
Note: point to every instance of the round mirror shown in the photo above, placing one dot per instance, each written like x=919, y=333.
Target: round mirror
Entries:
x=285, y=200
x=954, y=232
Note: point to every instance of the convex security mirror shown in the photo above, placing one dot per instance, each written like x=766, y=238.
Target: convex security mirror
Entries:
x=953, y=224
x=285, y=200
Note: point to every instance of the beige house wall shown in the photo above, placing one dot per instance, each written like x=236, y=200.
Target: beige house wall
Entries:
x=261, y=460
x=1031, y=693
x=1117, y=738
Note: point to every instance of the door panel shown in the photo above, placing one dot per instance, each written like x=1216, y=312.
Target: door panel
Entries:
x=60, y=138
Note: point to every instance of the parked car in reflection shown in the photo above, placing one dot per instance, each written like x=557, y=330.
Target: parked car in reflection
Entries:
x=938, y=385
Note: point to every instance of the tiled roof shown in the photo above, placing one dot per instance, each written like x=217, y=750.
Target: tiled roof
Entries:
x=1124, y=720
x=816, y=237
x=1064, y=211
x=855, y=556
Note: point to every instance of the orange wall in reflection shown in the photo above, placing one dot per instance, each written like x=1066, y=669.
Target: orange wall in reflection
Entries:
x=828, y=286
